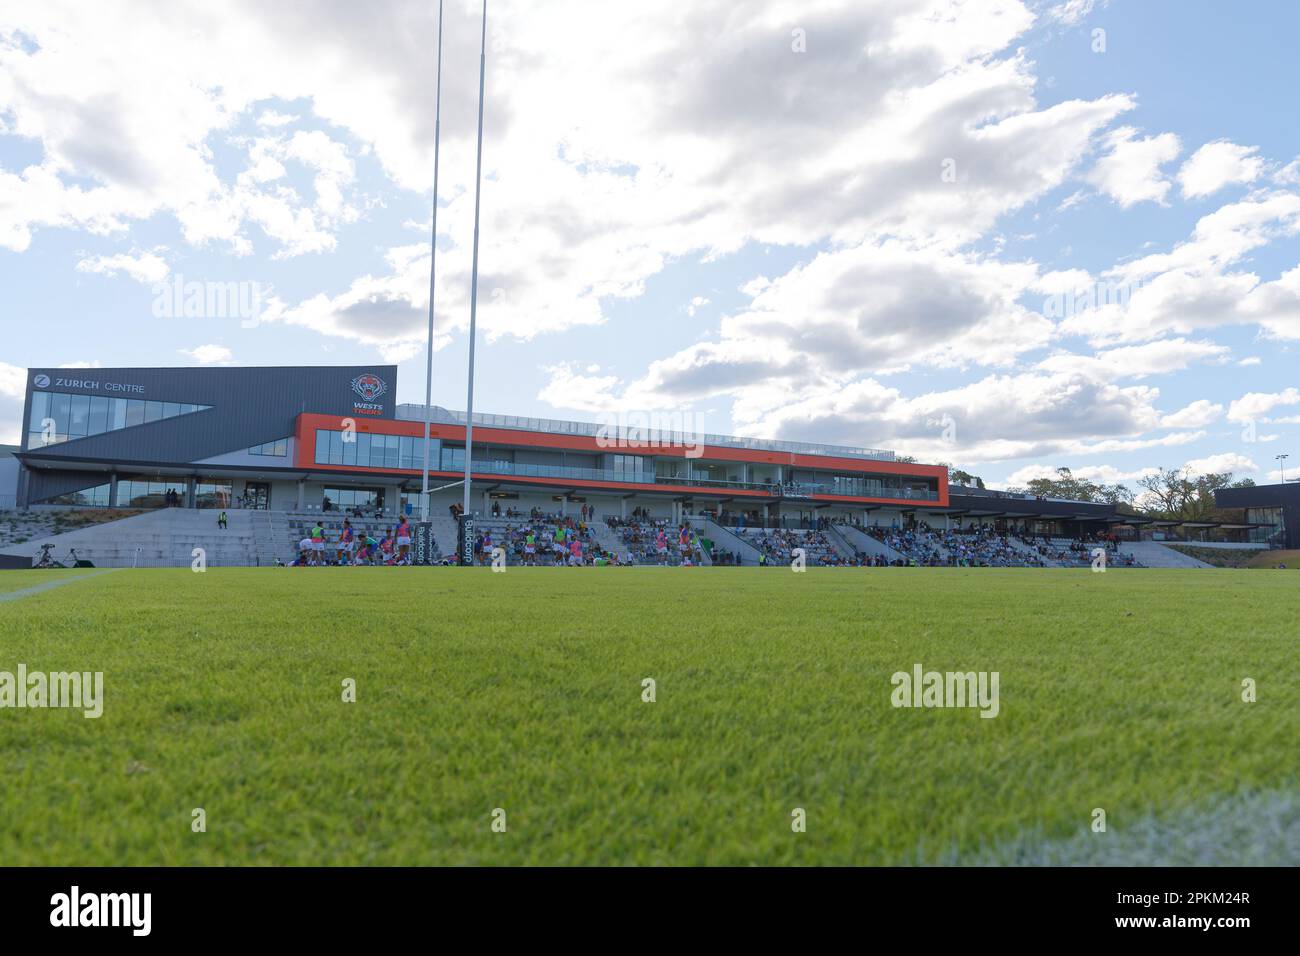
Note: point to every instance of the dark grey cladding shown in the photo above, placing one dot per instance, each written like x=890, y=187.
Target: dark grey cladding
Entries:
x=1285, y=496
x=250, y=406
x=1044, y=507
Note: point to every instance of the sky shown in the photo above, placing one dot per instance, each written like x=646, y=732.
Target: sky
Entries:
x=1005, y=234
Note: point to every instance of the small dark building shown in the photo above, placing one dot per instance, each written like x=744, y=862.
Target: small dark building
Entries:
x=1275, y=507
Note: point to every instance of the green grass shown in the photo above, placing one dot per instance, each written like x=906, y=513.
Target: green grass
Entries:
x=523, y=691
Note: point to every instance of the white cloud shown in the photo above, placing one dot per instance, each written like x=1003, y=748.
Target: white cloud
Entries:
x=1216, y=165
x=1137, y=361
x=1198, y=414
x=13, y=381
x=1130, y=172
x=273, y=119
x=1255, y=406
x=208, y=354
x=146, y=267
x=1193, y=287
x=1071, y=12
x=1102, y=474
x=588, y=189
x=1221, y=463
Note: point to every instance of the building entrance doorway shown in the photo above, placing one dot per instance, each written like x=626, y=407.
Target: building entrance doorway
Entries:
x=257, y=494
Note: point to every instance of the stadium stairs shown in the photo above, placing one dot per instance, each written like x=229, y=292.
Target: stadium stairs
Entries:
x=866, y=543
x=728, y=540
x=840, y=542
x=165, y=538
x=1153, y=554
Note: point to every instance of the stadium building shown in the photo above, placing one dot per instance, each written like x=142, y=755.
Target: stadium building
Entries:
x=277, y=439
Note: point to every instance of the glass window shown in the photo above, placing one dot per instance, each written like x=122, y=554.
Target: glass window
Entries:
x=40, y=409
x=143, y=494
x=276, y=449
x=60, y=405
x=322, y=446
x=363, y=448
x=98, y=415
x=134, y=412
x=212, y=493
x=170, y=409
x=336, y=448
x=407, y=455
x=90, y=497
x=78, y=416
x=392, y=452
x=350, y=453
x=116, y=413
x=152, y=411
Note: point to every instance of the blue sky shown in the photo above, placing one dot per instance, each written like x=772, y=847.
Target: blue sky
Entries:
x=857, y=222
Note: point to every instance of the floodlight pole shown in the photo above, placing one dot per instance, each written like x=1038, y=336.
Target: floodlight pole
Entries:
x=1281, y=463
x=473, y=289
x=433, y=254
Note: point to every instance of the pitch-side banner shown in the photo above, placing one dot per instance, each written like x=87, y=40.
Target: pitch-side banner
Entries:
x=465, y=546
x=424, y=551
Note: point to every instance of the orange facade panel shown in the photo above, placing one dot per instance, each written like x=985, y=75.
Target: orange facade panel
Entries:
x=309, y=422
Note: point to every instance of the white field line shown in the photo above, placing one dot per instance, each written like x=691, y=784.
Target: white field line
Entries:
x=1260, y=828
x=47, y=585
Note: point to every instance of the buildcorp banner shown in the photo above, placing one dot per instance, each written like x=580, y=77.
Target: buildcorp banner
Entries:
x=465, y=544
x=424, y=551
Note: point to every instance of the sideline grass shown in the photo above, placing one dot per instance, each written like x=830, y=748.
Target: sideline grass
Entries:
x=523, y=691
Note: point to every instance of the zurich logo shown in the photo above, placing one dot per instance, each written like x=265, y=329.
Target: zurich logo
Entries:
x=41, y=381
x=369, y=386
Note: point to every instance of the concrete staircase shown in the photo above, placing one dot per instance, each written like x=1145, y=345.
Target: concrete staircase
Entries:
x=165, y=538
x=840, y=542
x=607, y=537
x=1153, y=554
x=869, y=545
x=728, y=540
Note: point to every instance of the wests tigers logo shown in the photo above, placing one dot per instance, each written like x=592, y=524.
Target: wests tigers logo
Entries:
x=369, y=386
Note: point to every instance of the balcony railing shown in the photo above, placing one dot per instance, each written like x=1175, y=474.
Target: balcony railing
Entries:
x=782, y=490
x=628, y=439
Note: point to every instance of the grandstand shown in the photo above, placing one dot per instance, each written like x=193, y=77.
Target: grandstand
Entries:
x=282, y=448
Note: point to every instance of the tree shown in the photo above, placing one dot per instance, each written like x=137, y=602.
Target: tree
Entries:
x=958, y=476
x=1066, y=485
x=1177, y=494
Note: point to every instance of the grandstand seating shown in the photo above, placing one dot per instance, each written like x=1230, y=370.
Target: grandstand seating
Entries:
x=638, y=540
x=511, y=534
x=298, y=524
x=167, y=537
x=778, y=545
x=987, y=548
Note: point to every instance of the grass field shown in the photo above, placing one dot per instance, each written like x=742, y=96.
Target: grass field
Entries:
x=523, y=691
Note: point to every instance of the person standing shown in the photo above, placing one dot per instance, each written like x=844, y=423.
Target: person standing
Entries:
x=346, y=542
x=403, y=539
